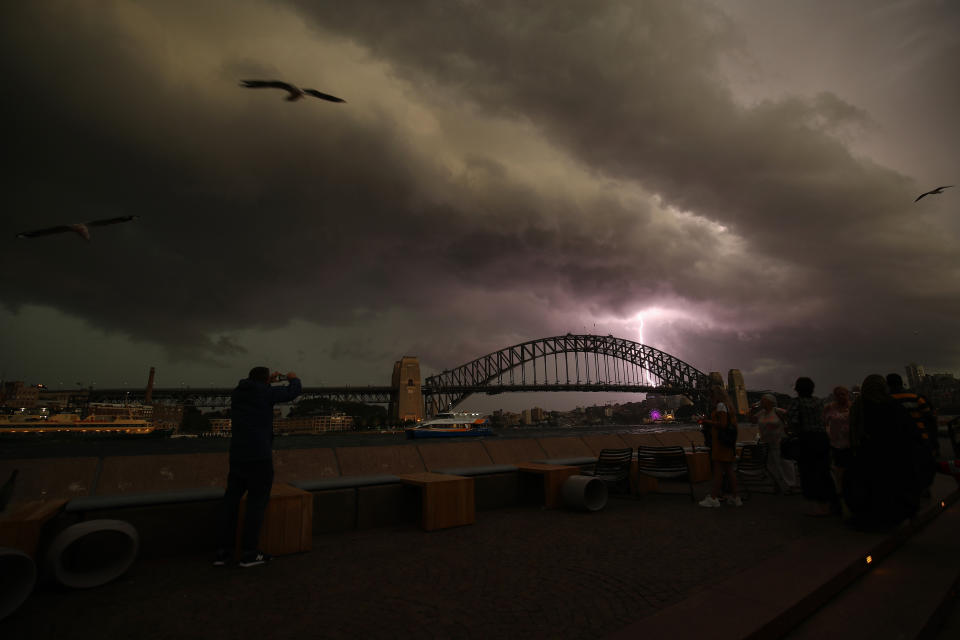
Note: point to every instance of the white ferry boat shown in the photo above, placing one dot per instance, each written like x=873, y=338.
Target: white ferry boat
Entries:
x=450, y=424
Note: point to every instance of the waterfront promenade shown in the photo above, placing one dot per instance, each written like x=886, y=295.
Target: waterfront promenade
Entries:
x=645, y=567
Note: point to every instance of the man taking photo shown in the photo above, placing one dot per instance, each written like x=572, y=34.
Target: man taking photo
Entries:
x=251, y=461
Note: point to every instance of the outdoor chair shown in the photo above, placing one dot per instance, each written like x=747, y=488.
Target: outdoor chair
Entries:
x=613, y=467
x=664, y=463
x=752, y=469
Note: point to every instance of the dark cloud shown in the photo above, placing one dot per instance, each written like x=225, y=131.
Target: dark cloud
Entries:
x=500, y=172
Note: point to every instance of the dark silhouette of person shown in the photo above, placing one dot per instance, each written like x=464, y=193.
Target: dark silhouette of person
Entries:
x=251, y=461
x=805, y=419
x=890, y=466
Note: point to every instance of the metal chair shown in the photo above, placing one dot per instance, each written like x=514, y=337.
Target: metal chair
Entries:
x=665, y=463
x=752, y=468
x=613, y=467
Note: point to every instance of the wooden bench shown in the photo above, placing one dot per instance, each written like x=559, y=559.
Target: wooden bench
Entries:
x=288, y=523
x=698, y=463
x=445, y=500
x=21, y=523
x=550, y=478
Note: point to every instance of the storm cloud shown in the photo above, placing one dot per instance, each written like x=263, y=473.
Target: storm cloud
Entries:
x=501, y=171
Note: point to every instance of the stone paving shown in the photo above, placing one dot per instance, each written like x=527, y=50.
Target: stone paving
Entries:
x=518, y=572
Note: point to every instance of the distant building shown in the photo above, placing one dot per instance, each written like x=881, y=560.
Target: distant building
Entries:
x=19, y=395
x=303, y=424
x=56, y=400
x=537, y=414
x=407, y=401
x=138, y=411
x=942, y=389
x=167, y=416
x=314, y=424
x=915, y=375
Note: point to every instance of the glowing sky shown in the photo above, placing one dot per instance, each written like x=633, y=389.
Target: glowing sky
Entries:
x=741, y=174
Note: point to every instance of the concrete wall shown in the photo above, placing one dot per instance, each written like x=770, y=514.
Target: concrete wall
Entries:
x=48, y=478
x=192, y=526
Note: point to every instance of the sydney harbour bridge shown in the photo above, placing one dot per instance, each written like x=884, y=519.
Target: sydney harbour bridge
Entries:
x=569, y=362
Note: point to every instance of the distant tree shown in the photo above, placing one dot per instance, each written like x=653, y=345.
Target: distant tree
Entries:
x=364, y=415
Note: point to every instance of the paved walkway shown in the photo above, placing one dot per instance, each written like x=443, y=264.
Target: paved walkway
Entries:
x=517, y=573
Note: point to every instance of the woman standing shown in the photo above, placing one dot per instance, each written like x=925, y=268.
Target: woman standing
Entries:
x=770, y=428
x=836, y=417
x=805, y=419
x=722, y=453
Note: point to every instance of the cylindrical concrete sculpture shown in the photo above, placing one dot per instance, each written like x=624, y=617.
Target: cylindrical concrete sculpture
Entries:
x=89, y=554
x=18, y=574
x=585, y=493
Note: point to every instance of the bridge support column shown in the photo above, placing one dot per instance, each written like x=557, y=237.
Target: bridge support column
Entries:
x=407, y=401
x=737, y=391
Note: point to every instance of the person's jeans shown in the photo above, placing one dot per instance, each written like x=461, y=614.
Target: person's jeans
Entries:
x=816, y=483
x=253, y=477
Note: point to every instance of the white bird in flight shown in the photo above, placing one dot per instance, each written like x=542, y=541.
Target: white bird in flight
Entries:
x=81, y=228
x=933, y=192
x=295, y=92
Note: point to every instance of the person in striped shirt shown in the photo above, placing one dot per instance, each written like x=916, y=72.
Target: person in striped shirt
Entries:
x=919, y=409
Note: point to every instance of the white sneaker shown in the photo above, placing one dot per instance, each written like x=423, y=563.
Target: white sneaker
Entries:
x=709, y=501
x=736, y=502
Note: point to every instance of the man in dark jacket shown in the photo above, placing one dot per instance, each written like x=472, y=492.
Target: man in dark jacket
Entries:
x=251, y=461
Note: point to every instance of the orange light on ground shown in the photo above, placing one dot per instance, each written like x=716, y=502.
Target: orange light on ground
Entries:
x=869, y=559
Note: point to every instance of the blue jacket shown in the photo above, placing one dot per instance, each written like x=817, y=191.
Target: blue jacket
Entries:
x=251, y=412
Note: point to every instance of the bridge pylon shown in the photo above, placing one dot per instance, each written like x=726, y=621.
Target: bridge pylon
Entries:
x=406, y=399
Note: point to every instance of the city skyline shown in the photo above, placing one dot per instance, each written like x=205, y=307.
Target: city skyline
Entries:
x=731, y=182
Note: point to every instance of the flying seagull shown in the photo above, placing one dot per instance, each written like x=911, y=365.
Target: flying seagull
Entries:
x=936, y=191
x=295, y=92
x=81, y=228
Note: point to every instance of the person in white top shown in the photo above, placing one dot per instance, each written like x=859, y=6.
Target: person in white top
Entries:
x=770, y=430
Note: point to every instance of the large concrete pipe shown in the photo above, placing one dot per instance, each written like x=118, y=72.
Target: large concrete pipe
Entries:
x=585, y=493
x=18, y=574
x=89, y=554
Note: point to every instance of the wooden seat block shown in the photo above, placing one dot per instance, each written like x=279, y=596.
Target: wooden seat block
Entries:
x=446, y=500
x=699, y=466
x=553, y=477
x=21, y=523
x=644, y=483
x=288, y=523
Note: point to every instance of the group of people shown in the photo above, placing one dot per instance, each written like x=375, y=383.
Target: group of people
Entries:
x=870, y=454
x=871, y=457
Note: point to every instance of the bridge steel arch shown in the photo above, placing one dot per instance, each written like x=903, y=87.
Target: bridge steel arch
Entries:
x=626, y=366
